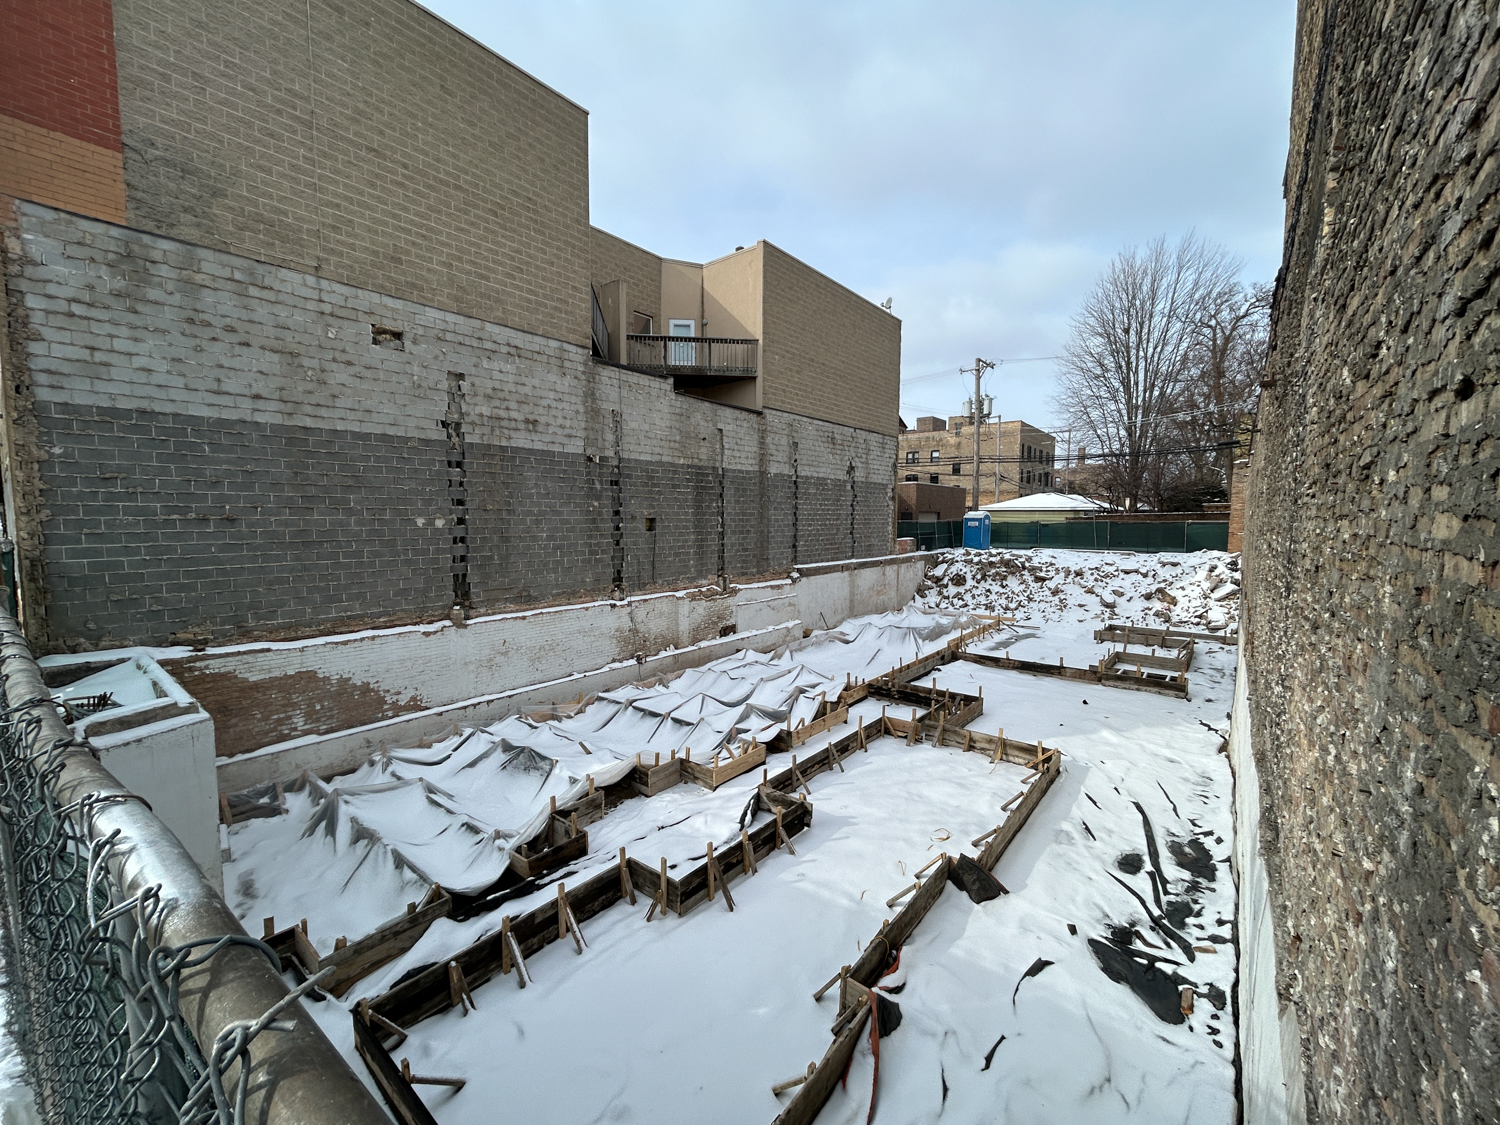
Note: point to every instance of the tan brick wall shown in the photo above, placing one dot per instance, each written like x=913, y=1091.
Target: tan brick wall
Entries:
x=369, y=142
x=1237, y=492
x=614, y=259
x=826, y=352
x=61, y=171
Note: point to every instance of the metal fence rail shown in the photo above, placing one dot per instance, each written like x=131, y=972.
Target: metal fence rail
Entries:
x=139, y=997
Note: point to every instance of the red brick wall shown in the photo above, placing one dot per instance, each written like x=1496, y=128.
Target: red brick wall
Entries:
x=57, y=68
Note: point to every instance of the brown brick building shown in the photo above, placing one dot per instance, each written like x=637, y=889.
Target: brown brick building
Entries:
x=1015, y=458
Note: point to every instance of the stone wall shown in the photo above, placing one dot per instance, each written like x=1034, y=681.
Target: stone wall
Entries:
x=1372, y=626
x=228, y=448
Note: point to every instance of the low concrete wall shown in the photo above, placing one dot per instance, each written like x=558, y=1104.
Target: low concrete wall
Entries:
x=331, y=754
x=325, y=704
x=1271, y=1089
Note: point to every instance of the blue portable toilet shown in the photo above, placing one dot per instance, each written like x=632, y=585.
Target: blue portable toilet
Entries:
x=977, y=530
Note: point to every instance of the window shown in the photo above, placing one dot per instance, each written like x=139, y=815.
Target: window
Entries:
x=911, y=456
x=934, y=478
x=641, y=323
x=957, y=468
x=911, y=477
x=937, y=455
x=1046, y=479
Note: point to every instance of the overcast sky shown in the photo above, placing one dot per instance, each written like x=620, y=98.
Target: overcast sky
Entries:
x=978, y=163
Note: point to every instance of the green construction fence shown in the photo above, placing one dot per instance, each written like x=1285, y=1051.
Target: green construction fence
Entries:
x=1078, y=535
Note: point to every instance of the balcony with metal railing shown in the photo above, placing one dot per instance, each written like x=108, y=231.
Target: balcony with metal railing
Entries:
x=699, y=359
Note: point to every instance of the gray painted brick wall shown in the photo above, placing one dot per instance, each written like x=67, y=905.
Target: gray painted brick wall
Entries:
x=225, y=451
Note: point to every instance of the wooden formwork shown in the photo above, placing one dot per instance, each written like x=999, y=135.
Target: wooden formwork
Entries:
x=1161, y=638
x=856, y=981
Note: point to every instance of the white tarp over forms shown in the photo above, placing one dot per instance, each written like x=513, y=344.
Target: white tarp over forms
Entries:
x=449, y=814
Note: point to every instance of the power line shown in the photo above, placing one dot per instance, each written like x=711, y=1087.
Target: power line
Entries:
x=964, y=370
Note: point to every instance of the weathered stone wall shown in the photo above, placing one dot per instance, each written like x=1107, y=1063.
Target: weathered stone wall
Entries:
x=224, y=448
x=1373, y=591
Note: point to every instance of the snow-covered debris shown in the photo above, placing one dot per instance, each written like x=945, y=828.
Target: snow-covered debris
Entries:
x=1196, y=592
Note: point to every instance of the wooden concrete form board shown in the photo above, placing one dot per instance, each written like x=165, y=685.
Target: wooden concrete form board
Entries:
x=1020, y=814
x=711, y=777
x=360, y=958
x=1137, y=634
x=653, y=779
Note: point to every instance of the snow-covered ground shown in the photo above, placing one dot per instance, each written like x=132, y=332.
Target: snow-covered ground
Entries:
x=694, y=1018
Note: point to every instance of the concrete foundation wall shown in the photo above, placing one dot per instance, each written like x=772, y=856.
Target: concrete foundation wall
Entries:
x=394, y=685
x=224, y=450
x=1372, y=592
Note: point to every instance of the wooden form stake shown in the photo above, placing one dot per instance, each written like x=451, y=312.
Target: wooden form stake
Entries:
x=426, y=1080
x=627, y=888
x=747, y=853
x=459, y=995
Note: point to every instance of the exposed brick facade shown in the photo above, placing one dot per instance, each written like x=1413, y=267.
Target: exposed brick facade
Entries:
x=1372, y=629
x=224, y=450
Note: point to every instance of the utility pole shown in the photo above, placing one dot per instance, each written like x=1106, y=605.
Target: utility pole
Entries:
x=980, y=367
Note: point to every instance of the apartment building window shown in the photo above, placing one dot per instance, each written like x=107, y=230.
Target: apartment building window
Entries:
x=957, y=468
x=937, y=455
x=911, y=478
x=641, y=324
x=934, y=478
x=911, y=456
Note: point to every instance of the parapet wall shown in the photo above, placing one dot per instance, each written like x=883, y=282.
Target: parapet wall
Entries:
x=1372, y=630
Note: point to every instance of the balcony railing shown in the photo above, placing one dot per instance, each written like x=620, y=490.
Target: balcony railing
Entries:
x=702, y=356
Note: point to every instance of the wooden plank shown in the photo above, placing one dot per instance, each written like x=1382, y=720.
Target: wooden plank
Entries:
x=1129, y=659
x=1014, y=822
x=530, y=865
x=404, y=1104
x=1176, y=688
x=1140, y=635
x=892, y=936
x=706, y=775
x=359, y=959
x=649, y=780
x=1034, y=667
x=818, y=726
x=813, y=1094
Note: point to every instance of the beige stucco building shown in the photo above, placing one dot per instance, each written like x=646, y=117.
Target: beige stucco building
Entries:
x=1015, y=458
x=757, y=328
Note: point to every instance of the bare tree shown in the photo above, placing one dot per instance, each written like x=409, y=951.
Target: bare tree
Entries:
x=1134, y=344
x=1229, y=357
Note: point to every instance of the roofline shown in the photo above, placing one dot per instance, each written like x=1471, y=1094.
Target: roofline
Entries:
x=486, y=47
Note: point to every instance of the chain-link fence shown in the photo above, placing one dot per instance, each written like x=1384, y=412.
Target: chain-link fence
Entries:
x=106, y=958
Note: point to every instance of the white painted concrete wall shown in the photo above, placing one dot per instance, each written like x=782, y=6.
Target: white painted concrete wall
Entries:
x=1272, y=1090
x=171, y=765
x=511, y=662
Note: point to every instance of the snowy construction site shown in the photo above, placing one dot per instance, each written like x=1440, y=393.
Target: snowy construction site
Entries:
x=967, y=857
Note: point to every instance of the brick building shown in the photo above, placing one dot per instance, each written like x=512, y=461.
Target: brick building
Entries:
x=307, y=331
x=1015, y=458
x=927, y=502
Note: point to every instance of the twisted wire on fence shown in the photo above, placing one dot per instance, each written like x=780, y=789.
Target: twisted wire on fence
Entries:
x=99, y=1020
